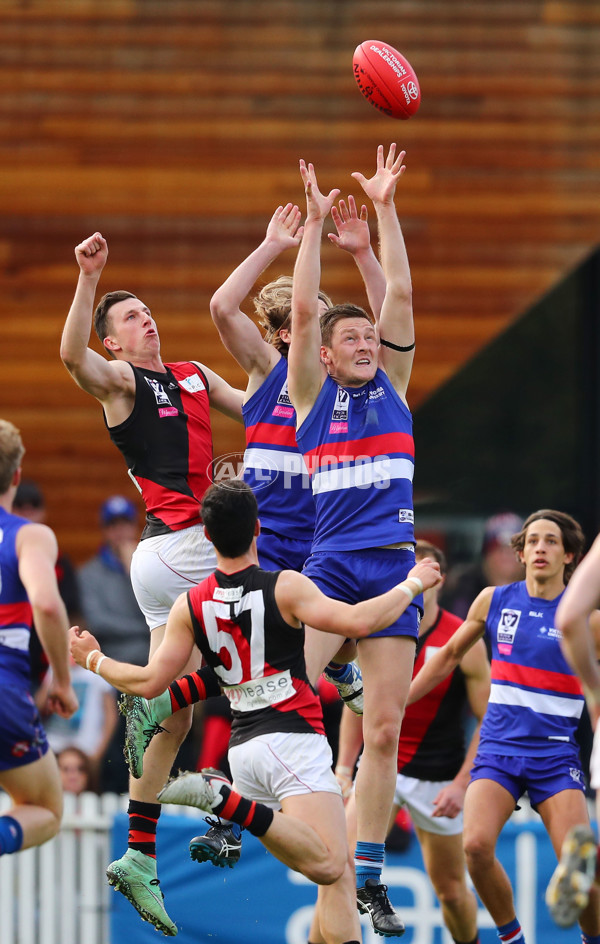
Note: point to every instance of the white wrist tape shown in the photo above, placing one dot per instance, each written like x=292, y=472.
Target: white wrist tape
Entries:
x=418, y=582
x=98, y=664
x=409, y=593
x=89, y=657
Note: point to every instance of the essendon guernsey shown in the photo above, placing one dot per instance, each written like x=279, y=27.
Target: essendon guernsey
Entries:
x=167, y=444
x=431, y=745
x=258, y=657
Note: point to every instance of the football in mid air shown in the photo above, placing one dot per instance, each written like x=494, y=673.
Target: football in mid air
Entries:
x=386, y=79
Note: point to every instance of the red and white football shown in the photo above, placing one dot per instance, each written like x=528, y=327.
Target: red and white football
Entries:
x=386, y=79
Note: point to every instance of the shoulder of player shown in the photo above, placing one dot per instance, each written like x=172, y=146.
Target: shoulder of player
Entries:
x=36, y=536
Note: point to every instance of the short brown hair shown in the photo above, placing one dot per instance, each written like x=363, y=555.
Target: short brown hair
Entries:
x=101, y=323
x=273, y=305
x=573, y=537
x=425, y=549
x=337, y=313
x=12, y=451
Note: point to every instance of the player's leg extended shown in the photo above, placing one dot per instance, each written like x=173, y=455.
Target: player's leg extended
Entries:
x=445, y=864
x=36, y=793
x=488, y=806
x=386, y=665
x=562, y=814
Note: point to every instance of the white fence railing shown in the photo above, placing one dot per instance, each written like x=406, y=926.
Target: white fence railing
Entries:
x=57, y=893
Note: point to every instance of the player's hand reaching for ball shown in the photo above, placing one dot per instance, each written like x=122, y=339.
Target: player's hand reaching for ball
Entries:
x=284, y=230
x=380, y=188
x=92, y=254
x=353, y=232
x=427, y=571
x=317, y=204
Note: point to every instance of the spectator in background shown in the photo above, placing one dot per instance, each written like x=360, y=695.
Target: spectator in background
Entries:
x=110, y=611
x=74, y=767
x=29, y=503
x=91, y=729
x=497, y=566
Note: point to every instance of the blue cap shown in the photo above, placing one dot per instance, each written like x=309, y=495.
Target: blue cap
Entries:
x=117, y=507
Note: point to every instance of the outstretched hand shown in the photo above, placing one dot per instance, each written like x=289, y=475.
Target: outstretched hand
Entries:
x=92, y=254
x=353, y=232
x=380, y=188
x=317, y=204
x=284, y=229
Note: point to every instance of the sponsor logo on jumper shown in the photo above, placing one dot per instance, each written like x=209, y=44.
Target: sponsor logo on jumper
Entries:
x=167, y=411
x=406, y=514
x=193, y=384
x=285, y=411
x=336, y=428
x=261, y=693
x=228, y=594
x=377, y=394
x=550, y=632
x=340, y=407
x=158, y=390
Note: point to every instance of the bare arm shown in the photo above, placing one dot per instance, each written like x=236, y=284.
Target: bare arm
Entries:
x=396, y=323
x=578, y=620
x=37, y=552
x=476, y=670
x=448, y=657
x=166, y=664
x=238, y=332
x=222, y=396
x=299, y=599
x=306, y=373
x=92, y=372
x=354, y=236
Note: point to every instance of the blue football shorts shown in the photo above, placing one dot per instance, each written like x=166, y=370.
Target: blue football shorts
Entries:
x=540, y=777
x=280, y=552
x=22, y=736
x=353, y=576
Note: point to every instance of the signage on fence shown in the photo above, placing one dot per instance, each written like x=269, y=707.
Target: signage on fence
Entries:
x=260, y=901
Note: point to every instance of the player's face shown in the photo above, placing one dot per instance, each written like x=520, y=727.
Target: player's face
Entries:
x=133, y=328
x=544, y=553
x=352, y=357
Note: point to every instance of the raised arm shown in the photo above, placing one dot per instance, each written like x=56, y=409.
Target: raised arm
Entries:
x=238, y=332
x=353, y=235
x=298, y=598
x=92, y=372
x=306, y=373
x=396, y=323
x=166, y=664
x=445, y=660
x=222, y=396
x=37, y=552
x=578, y=620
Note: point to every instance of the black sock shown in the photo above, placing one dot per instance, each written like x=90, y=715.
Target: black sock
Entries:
x=255, y=817
x=143, y=819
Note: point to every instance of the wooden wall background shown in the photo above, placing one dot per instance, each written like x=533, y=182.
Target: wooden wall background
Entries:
x=175, y=128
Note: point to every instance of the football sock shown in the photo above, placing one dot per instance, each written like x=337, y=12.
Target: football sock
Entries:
x=11, y=835
x=143, y=819
x=368, y=861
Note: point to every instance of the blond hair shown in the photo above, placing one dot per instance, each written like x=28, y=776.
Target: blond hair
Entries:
x=273, y=306
x=12, y=451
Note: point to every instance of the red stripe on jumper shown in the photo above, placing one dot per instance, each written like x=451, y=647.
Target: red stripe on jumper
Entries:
x=544, y=679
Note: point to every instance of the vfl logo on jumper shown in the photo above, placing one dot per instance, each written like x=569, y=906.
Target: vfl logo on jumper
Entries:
x=339, y=416
x=284, y=407
x=507, y=627
x=193, y=384
x=165, y=407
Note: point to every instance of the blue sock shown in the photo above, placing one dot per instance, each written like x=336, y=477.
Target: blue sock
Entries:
x=368, y=861
x=341, y=673
x=511, y=933
x=11, y=835
x=590, y=938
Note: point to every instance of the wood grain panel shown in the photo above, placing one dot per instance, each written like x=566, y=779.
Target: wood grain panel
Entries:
x=175, y=129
